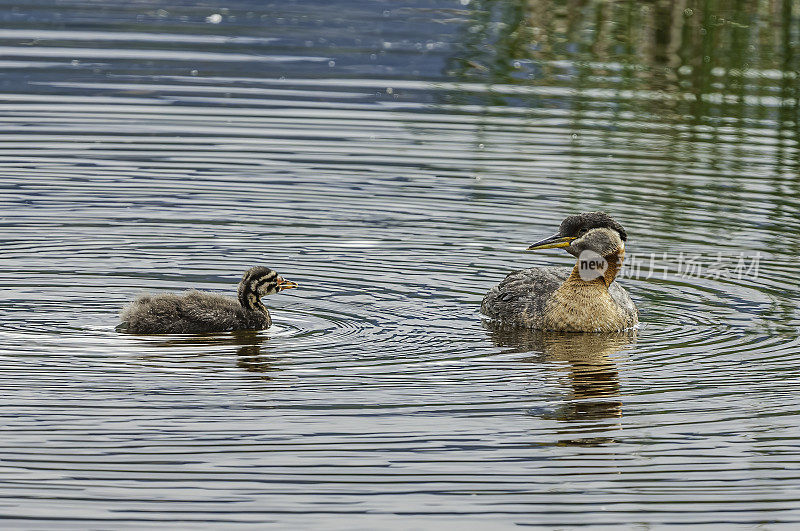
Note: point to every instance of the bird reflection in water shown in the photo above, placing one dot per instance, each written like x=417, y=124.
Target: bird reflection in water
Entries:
x=589, y=363
x=250, y=354
x=249, y=346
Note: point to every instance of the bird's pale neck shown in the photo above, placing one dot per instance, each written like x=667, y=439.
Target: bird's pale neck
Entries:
x=600, y=278
x=583, y=303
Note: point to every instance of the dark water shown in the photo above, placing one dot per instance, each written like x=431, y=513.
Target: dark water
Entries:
x=395, y=159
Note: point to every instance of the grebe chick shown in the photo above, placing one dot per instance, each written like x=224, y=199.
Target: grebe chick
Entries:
x=197, y=312
x=582, y=299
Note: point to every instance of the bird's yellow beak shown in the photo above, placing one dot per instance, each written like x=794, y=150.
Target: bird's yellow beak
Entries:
x=285, y=284
x=555, y=241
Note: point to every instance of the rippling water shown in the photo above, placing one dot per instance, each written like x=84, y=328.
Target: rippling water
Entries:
x=395, y=161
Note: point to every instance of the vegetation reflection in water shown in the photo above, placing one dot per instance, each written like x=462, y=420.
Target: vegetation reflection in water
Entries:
x=700, y=81
x=702, y=60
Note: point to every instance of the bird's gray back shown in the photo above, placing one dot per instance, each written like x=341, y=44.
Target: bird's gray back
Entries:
x=520, y=298
x=189, y=313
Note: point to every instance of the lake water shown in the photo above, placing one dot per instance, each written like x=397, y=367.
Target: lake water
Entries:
x=395, y=159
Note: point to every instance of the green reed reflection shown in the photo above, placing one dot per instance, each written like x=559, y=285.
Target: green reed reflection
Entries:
x=701, y=47
x=709, y=67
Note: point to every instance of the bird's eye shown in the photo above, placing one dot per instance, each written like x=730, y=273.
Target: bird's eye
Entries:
x=583, y=230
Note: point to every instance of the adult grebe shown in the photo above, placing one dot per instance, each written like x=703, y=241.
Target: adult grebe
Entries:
x=582, y=299
x=196, y=312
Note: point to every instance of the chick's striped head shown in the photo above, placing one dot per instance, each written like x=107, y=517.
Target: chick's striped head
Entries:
x=260, y=281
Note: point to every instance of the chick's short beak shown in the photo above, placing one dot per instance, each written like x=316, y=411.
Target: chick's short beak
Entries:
x=285, y=284
x=556, y=241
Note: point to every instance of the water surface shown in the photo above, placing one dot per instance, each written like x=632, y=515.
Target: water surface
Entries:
x=395, y=160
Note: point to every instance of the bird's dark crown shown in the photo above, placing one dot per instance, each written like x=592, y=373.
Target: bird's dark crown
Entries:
x=577, y=225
